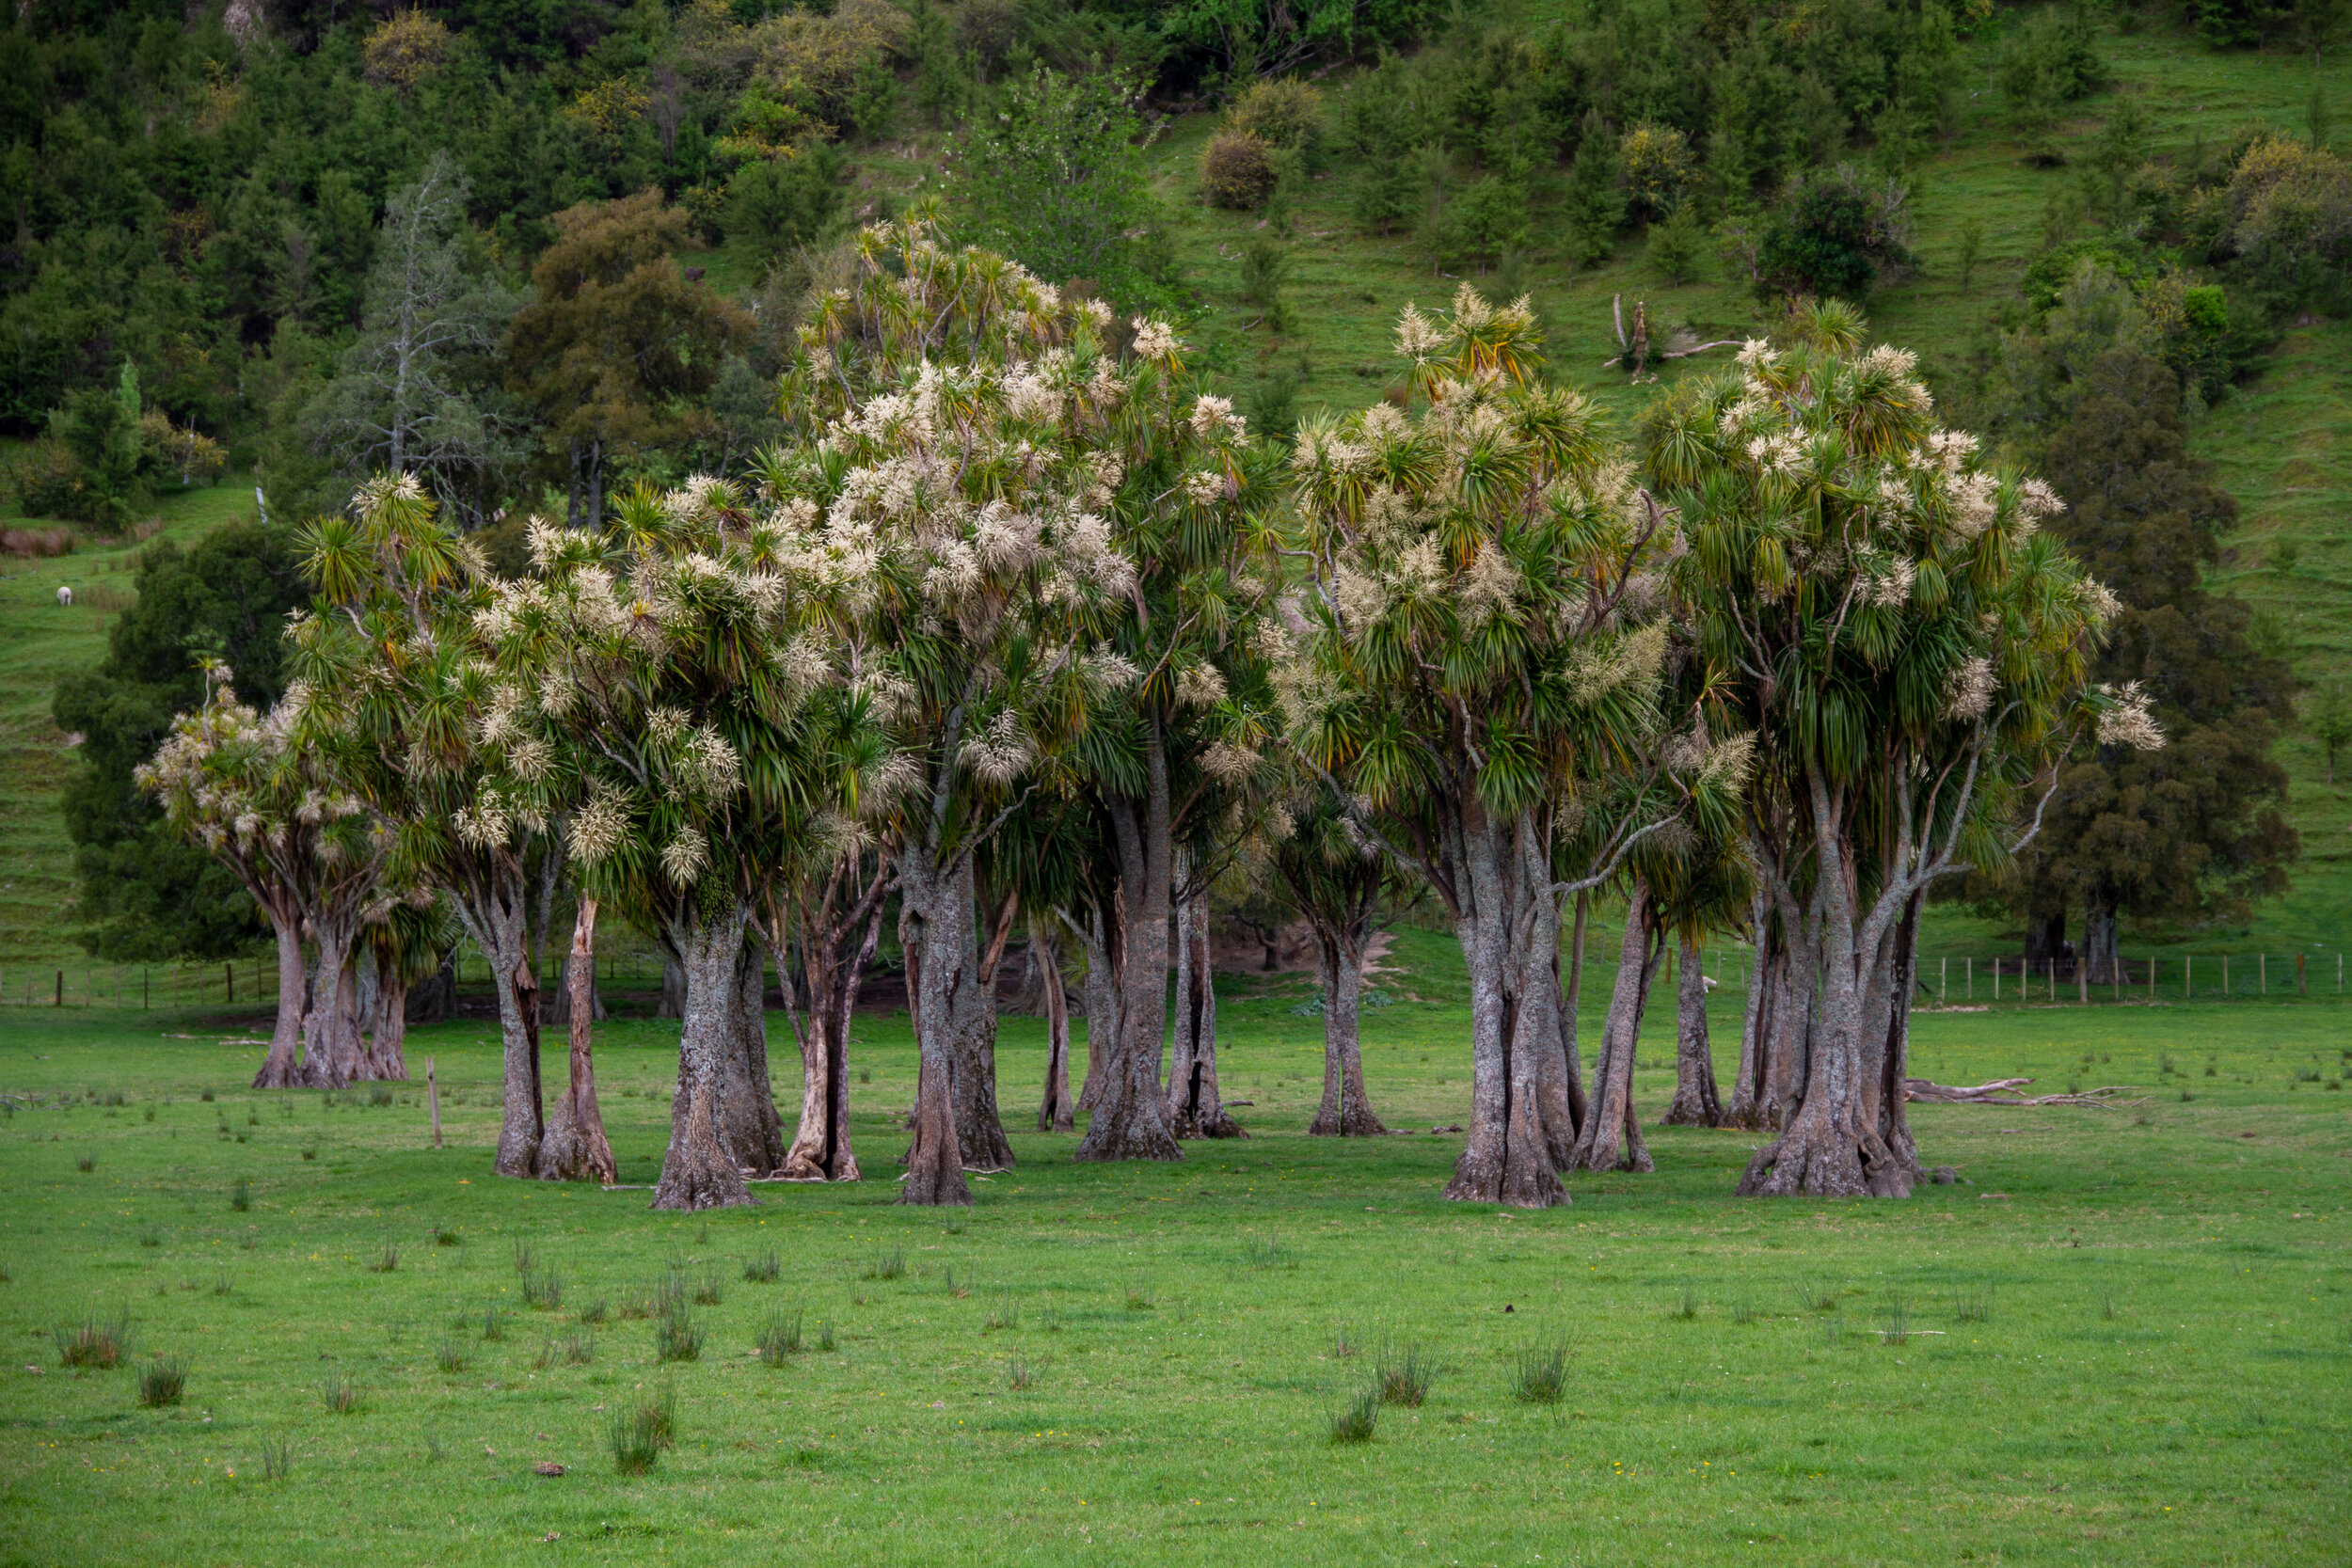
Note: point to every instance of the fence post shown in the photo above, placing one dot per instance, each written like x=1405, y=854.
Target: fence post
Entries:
x=2188, y=976
x=1943, y=980
x=2225, y=976
x=1971, y=962
x=2302, y=987
x=61, y=988
x=2153, y=962
x=2261, y=975
x=432, y=1098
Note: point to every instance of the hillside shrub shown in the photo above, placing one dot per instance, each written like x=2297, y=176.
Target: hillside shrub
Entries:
x=1237, y=170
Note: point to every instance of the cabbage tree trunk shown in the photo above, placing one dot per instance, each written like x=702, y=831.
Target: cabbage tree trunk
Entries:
x=1346, y=1110
x=1130, y=1119
x=575, y=1148
x=1612, y=1134
x=281, y=1068
x=935, y=931
x=699, y=1171
x=1507, y=921
x=1195, y=1109
x=1054, y=1112
x=1698, y=1103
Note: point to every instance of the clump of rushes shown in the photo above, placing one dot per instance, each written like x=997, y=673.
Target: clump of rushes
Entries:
x=385, y=1262
x=669, y=1297
x=1687, y=1308
x=885, y=1265
x=580, y=1350
x=308, y=1152
x=780, y=1338
x=594, y=1312
x=1006, y=1314
x=764, y=1269
x=1543, y=1374
x=676, y=1338
x=543, y=1288
x=340, y=1394
x=1139, y=1299
x=277, y=1459
x=85, y=1161
x=241, y=1195
x=824, y=1336
x=1974, y=1307
x=1741, y=1312
x=1017, y=1374
x=162, y=1382
x=451, y=1357
x=1405, y=1376
x=1897, y=1330
x=149, y=1235
x=93, y=1343
x=1358, y=1419
x=634, y=1450
x=525, y=1260
x=493, y=1324
x=707, y=1288
x=222, y=1285
x=446, y=1235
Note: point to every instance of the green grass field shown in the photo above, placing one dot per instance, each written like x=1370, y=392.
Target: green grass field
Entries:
x=2125, y=1336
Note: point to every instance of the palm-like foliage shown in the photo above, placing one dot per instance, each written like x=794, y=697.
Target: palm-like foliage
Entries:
x=417, y=691
x=1481, y=665
x=988, y=484
x=682, y=656
x=1910, y=652
x=303, y=845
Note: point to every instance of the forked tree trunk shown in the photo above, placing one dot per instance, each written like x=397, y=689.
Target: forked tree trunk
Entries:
x=935, y=931
x=1508, y=924
x=1611, y=1137
x=1764, y=962
x=820, y=1148
x=1195, y=1109
x=1831, y=1146
x=1346, y=1110
x=389, y=1052
x=699, y=1171
x=282, y=1069
x=1894, y=1123
x=1054, y=1112
x=330, y=1047
x=575, y=1148
x=1571, y=999
x=748, y=1123
x=491, y=901
x=557, y=1007
x=1130, y=1120
x=1697, y=1101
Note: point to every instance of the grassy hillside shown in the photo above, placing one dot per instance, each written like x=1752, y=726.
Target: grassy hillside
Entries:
x=2280, y=442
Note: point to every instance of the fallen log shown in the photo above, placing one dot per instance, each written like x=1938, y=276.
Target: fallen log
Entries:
x=1997, y=1093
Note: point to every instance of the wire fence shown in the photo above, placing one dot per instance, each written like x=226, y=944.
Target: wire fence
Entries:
x=1959, y=979
x=232, y=983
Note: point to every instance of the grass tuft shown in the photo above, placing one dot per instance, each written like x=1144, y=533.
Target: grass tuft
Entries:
x=1139, y=1299
x=150, y=1236
x=885, y=1265
x=676, y=1338
x=451, y=1357
x=493, y=1324
x=1006, y=1314
x=1686, y=1308
x=162, y=1382
x=1342, y=1346
x=780, y=1338
x=1358, y=1419
x=241, y=1195
x=579, y=1349
x=93, y=1343
x=542, y=1290
x=764, y=1268
x=341, y=1395
x=385, y=1260
x=1543, y=1374
x=277, y=1459
x=1895, y=1328
x=1017, y=1374
x=594, y=1312
x=1268, y=1254
x=708, y=1288
x=1974, y=1307
x=446, y=1235
x=85, y=1161
x=1405, y=1375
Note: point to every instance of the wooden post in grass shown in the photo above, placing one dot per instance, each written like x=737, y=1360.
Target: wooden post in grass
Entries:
x=1943, y=981
x=229, y=980
x=2302, y=987
x=2225, y=976
x=61, y=988
x=2082, y=982
x=2261, y=975
x=432, y=1099
x=2188, y=977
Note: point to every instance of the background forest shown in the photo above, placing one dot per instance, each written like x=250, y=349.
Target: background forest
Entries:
x=539, y=254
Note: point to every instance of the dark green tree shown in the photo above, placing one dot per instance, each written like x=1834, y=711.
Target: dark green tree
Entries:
x=145, y=892
x=2196, y=829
